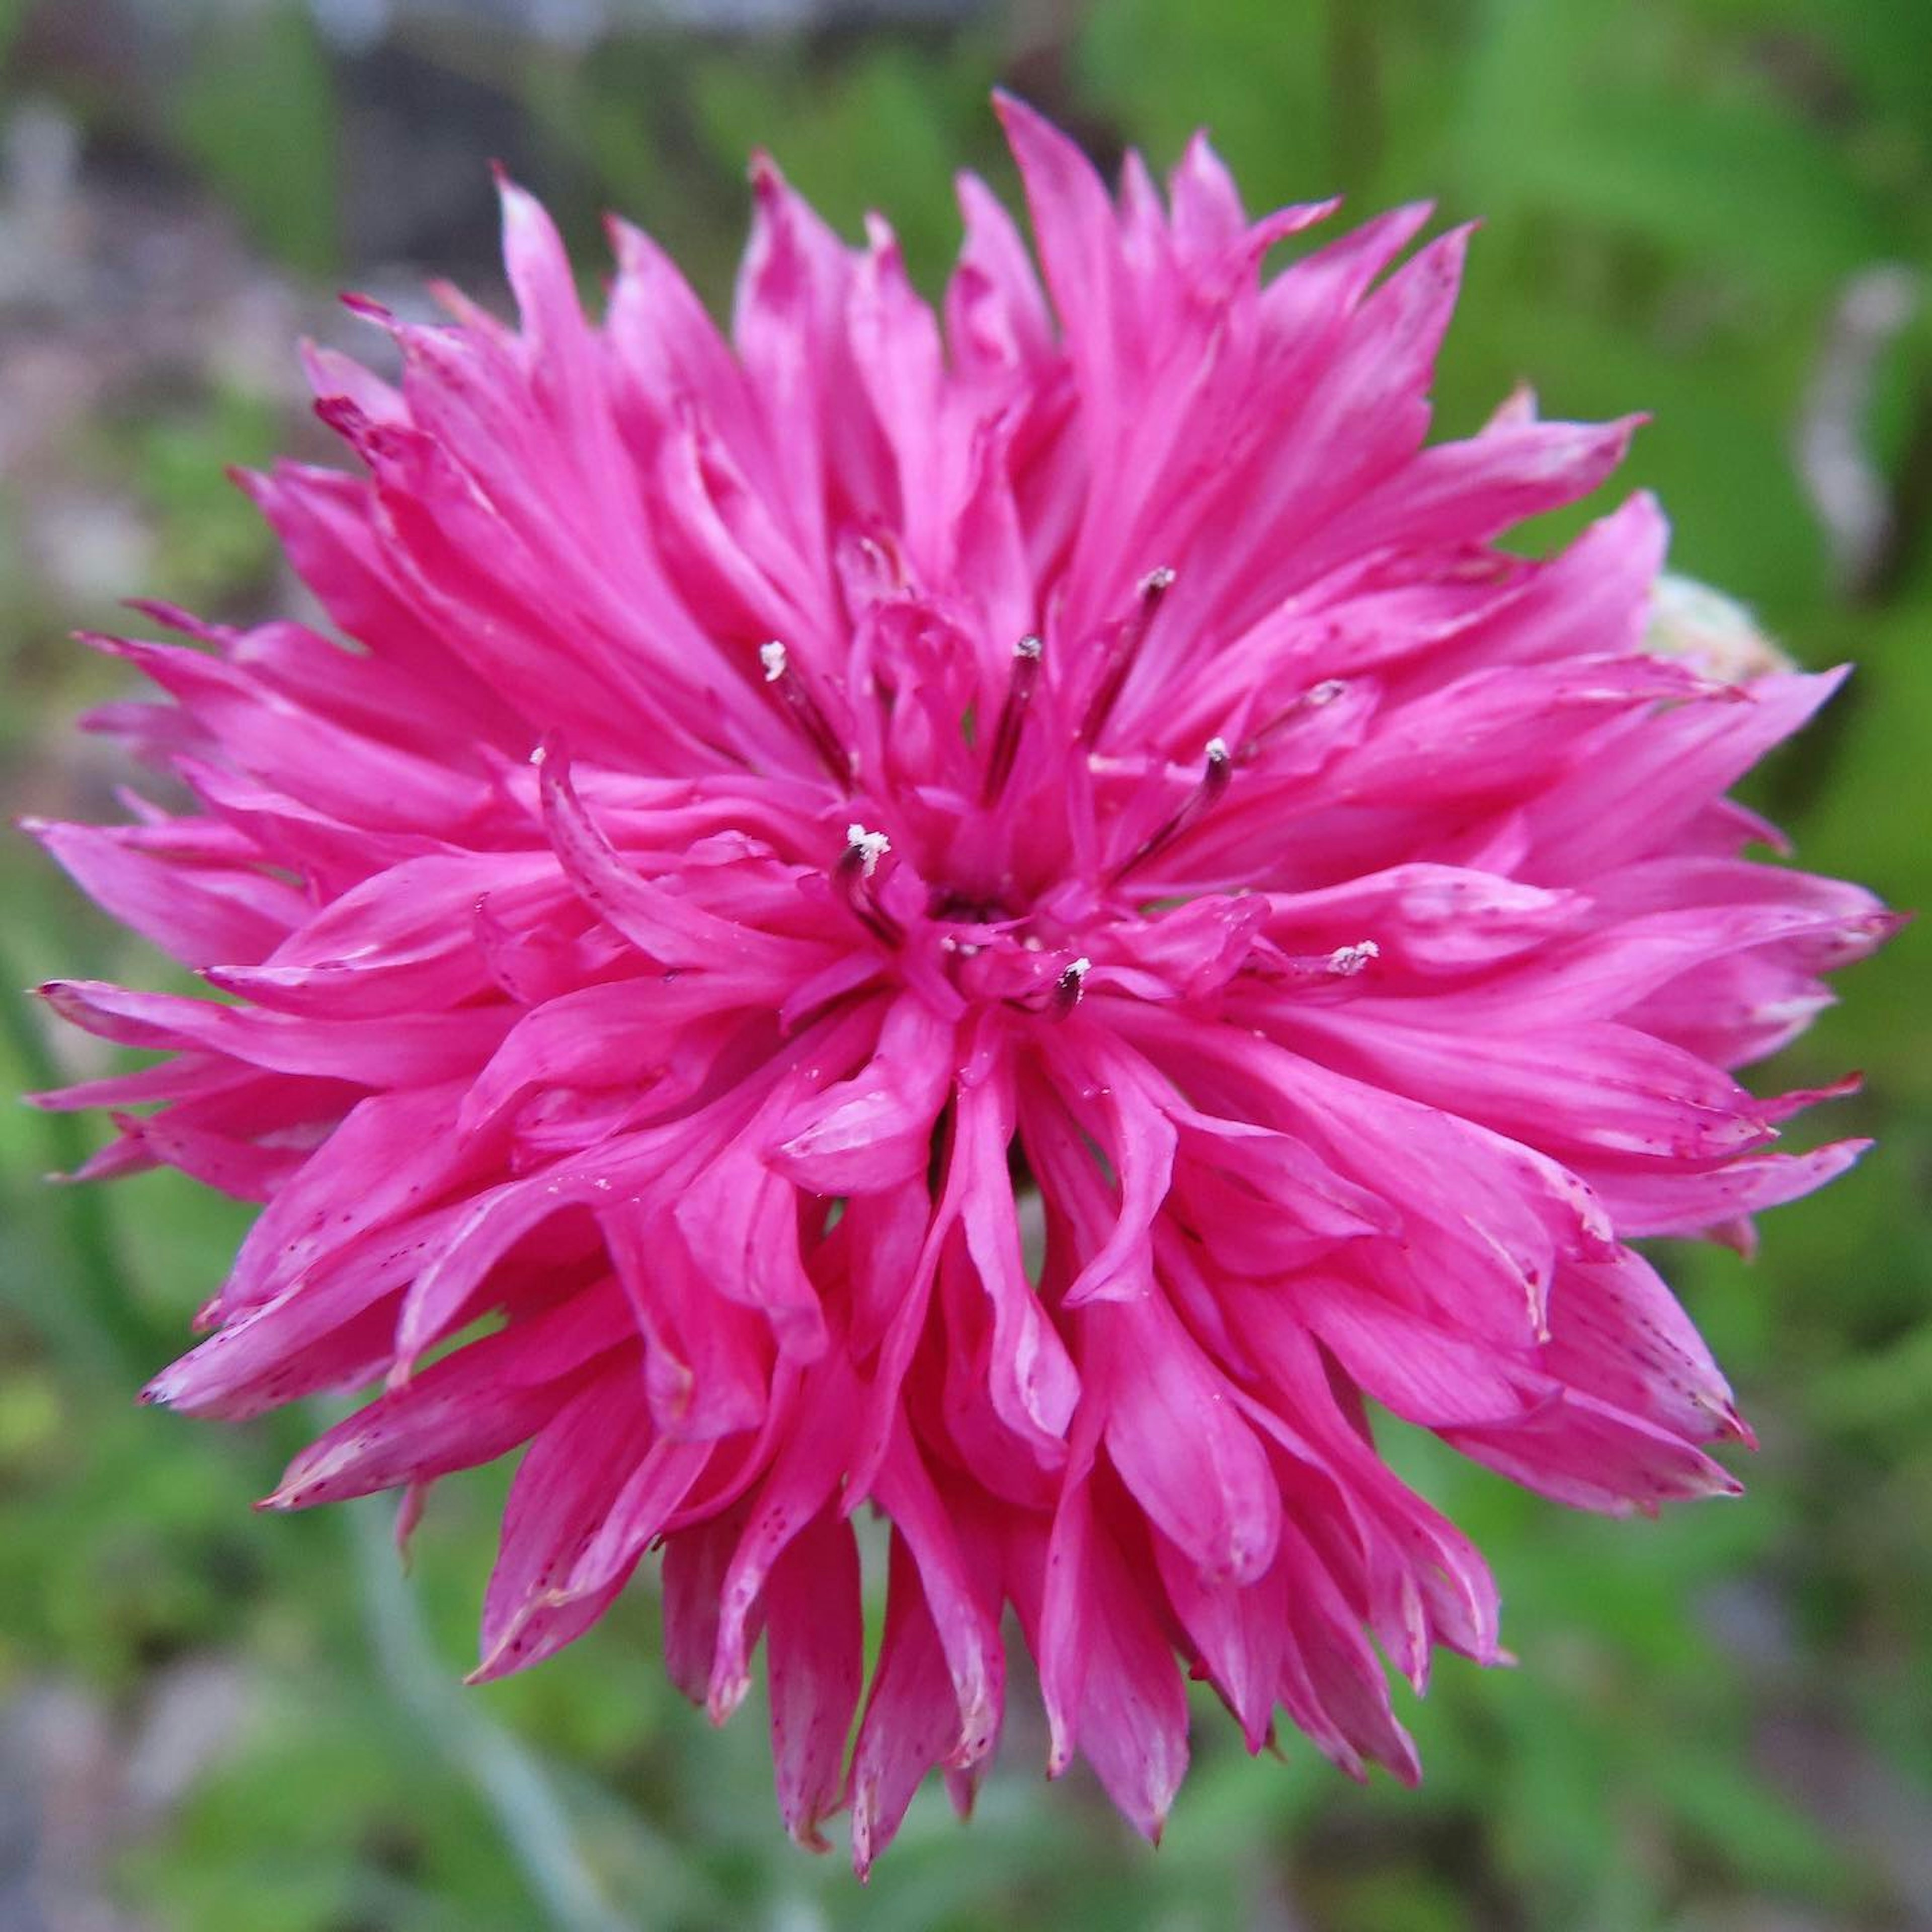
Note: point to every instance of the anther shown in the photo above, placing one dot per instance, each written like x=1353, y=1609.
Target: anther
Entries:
x=854, y=874
x=1067, y=989
x=1214, y=778
x=804, y=709
x=1020, y=688
x=868, y=846
x=1346, y=962
x=1121, y=650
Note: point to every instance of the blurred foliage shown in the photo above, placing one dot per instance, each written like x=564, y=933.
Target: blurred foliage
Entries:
x=256, y=114
x=1722, y=1719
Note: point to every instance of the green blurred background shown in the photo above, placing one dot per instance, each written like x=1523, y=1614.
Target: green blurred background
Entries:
x=1716, y=210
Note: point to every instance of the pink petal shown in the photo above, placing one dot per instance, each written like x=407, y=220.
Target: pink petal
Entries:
x=815, y=1636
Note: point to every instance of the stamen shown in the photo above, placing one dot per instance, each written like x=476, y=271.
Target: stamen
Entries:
x=1067, y=989
x=871, y=847
x=1020, y=689
x=1220, y=768
x=1122, y=649
x=1347, y=961
x=1313, y=699
x=853, y=874
x=804, y=709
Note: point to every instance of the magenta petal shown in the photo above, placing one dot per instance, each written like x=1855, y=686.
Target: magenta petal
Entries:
x=1193, y=1464
x=1689, y=1204
x=910, y=1716
x=800, y=1482
x=695, y=1564
x=1073, y=226
x=445, y=1419
x=1240, y=1629
x=815, y=1640
x=1115, y=1689
x=968, y=1631
x=203, y=915
x=874, y=1132
x=562, y=1492
x=1034, y=1383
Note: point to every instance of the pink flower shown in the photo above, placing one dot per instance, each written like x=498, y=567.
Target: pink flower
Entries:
x=1074, y=918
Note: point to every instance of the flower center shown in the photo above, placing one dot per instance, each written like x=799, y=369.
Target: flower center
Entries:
x=997, y=844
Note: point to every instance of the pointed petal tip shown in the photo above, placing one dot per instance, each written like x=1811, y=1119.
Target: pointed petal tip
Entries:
x=1731, y=1426
x=862, y=1799
x=342, y=416
x=173, y=616
x=1023, y=124
x=766, y=178
x=501, y=1659
x=727, y=1692
x=366, y=308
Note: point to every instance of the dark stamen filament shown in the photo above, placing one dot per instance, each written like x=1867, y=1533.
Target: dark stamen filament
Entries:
x=1122, y=649
x=1067, y=989
x=804, y=709
x=854, y=874
x=1020, y=688
x=1313, y=699
x=1213, y=782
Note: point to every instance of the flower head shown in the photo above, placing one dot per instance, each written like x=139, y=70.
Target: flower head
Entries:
x=996, y=916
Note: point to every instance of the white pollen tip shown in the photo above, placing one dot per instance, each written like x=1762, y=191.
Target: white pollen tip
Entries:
x=871, y=847
x=1080, y=968
x=1348, y=960
x=1327, y=691
x=1155, y=581
x=540, y=754
x=1217, y=751
x=1028, y=647
x=772, y=657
